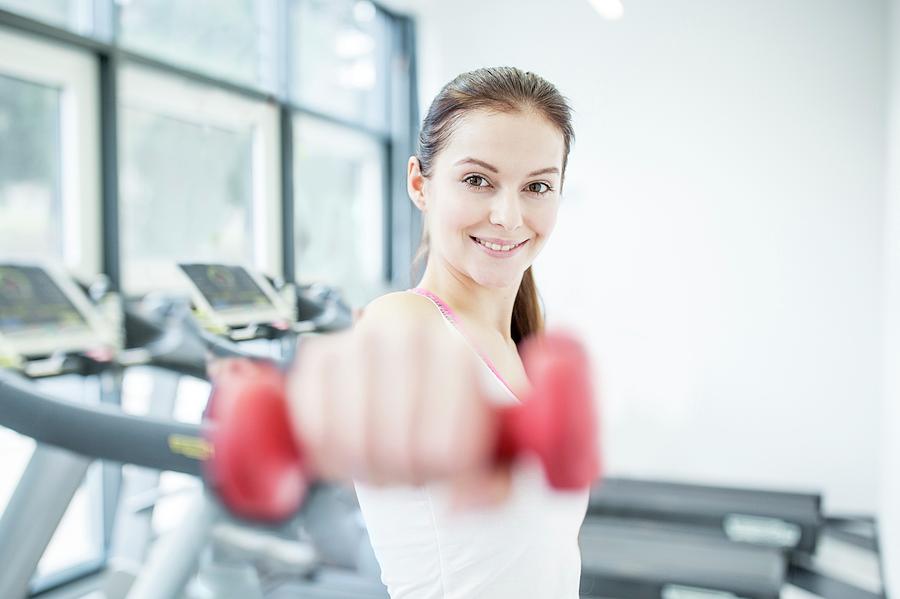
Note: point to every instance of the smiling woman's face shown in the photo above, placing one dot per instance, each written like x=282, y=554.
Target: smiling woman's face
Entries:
x=493, y=195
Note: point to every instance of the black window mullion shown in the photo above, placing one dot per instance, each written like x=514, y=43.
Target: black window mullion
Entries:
x=388, y=203
x=109, y=168
x=286, y=118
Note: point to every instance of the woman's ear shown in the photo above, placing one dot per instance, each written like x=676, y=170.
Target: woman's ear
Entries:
x=415, y=183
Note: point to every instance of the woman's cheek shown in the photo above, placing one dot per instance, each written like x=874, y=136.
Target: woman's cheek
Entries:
x=465, y=215
x=546, y=218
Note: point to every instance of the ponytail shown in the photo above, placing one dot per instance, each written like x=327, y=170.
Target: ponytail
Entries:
x=527, y=318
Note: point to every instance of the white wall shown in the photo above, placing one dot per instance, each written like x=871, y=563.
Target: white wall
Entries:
x=890, y=518
x=720, y=242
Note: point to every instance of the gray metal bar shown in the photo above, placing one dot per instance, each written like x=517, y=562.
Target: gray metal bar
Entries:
x=288, y=257
x=110, y=393
x=405, y=125
x=133, y=532
x=628, y=559
x=50, y=32
x=175, y=555
x=789, y=520
x=109, y=166
x=33, y=514
x=341, y=122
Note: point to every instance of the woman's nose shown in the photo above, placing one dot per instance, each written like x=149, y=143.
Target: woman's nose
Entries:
x=506, y=211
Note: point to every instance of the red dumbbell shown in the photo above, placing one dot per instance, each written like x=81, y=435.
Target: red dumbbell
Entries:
x=258, y=469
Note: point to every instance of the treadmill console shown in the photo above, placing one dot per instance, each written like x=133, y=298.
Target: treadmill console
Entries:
x=42, y=312
x=235, y=296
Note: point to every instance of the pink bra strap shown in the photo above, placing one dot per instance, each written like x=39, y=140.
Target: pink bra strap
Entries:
x=450, y=315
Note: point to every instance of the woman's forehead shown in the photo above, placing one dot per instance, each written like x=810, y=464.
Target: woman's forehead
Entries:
x=512, y=142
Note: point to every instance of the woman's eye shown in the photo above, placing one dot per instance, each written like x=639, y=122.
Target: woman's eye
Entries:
x=476, y=181
x=538, y=187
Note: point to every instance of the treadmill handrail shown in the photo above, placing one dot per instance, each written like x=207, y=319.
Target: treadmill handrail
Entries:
x=101, y=431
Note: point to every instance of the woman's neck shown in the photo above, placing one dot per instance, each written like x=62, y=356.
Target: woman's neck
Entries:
x=484, y=307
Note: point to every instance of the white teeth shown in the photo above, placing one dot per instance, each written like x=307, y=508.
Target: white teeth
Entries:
x=496, y=247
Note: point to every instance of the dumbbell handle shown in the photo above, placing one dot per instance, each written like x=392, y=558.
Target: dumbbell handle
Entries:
x=258, y=469
x=557, y=421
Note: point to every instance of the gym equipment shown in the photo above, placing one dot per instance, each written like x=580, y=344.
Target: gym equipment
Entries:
x=162, y=444
x=790, y=521
x=236, y=301
x=664, y=539
x=258, y=469
x=70, y=436
x=241, y=303
x=622, y=558
x=324, y=307
x=47, y=328
x=44, y=317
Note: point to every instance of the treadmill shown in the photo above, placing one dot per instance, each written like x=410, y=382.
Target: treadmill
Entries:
x=790, y=521
x=42, y=310
x=48, y=328
x=650, y=539
x=623, y=559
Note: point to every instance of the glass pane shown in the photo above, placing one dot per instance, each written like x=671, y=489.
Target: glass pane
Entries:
x=186, y=194
x=340, y=59
x=339, y=208
x=30, y=206
x=55, y=12
x=233, y=39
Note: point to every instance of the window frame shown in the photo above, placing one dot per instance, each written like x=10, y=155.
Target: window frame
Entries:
x=74, y=72
x=383, y=147
x=180, y=98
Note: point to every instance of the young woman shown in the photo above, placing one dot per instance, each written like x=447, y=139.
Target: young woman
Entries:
x=400, y=401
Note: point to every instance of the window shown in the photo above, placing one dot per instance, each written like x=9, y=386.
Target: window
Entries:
x=76, y=15
x=49, y=178
x=340, y=59
x=232, y=39
x=339, y=208
x=30, y=203
x=199, y=179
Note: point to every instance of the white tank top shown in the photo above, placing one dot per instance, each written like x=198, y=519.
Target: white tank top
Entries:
x=526, y=547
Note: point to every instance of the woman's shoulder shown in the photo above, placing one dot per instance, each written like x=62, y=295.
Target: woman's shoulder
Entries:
x=401, y=306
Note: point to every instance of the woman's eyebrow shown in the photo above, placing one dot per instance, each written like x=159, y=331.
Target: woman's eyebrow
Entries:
x=544, y=171
x=482, y=163
x=495, y=170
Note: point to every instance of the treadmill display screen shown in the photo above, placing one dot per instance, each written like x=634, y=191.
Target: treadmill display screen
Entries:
x=30, y=299
x=227, y=287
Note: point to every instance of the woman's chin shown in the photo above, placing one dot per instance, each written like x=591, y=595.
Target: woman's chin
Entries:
x=497, y=280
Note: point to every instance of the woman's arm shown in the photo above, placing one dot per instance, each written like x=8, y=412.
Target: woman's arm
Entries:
x=395, y=400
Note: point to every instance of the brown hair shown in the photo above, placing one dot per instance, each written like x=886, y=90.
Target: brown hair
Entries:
x=503, y=89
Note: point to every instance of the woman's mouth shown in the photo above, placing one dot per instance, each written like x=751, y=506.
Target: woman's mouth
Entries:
x=498, y=248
